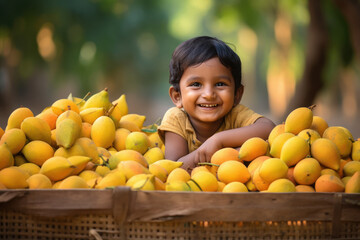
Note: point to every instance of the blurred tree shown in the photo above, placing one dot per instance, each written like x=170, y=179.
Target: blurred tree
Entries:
x=291, y=50
x=329, y=28
x=83, y=43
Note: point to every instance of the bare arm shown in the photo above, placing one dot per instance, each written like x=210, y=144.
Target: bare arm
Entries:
x=236, y=137
x=176, y=147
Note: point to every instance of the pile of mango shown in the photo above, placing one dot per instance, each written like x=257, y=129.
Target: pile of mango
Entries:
x=96, y=143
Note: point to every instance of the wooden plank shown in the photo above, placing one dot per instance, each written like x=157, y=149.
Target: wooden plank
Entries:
x=350, y=207
x=127, y=205
x=196, y=206
x=54, y=203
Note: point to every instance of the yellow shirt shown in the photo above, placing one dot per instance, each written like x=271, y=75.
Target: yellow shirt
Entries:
x=176, y=120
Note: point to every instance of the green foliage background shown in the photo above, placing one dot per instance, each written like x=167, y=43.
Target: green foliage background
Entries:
x=126, y=45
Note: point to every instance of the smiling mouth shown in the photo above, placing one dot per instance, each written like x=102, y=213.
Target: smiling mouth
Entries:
x=208, y=105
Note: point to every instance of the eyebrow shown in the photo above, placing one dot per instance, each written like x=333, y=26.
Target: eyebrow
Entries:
x=192, y=78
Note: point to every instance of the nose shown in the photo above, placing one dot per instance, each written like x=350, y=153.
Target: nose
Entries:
x=209, y=92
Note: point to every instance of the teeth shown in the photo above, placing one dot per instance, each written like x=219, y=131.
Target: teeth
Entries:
x=208, y=105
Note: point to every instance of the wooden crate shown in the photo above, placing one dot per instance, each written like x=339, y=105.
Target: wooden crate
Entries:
x=121, y=213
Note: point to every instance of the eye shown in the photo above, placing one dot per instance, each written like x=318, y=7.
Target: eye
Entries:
x=221, y=84
x=195, y=84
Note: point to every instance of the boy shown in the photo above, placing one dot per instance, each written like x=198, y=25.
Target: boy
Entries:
x=206, y=88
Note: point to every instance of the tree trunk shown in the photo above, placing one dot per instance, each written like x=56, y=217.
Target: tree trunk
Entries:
x=315, y=59
x=351, y=11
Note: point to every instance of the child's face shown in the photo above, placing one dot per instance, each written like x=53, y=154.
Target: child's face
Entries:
x=207, y=91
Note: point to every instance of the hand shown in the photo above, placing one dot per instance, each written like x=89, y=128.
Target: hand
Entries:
x=207, y=149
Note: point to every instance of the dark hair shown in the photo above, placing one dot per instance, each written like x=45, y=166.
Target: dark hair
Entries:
x=198, y=50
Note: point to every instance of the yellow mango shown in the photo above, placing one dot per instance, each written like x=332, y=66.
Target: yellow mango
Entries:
x=178, y=174
x=232, y=171
x=260, y=183
x=131, y=168
x=115, y=114
x=309, y=135
x=155, y=140
x=272, y=169
x=298, y=120
x=154, y=154
x=326, y=152
x=6, y=158
x=135, y=118
x=112, y=179
x=103, y=132
x=102, y=170
x=319, y=124
x=89, y=115
x=17, y=116
x=30, y=168
x=159, y=185
x=57, y=168
x=329, y=183
x=79, y=162
x=250, y=185
x=137, y=141
x=14, y=139
x=125, y=155
x=340, y=138
x=253, y=165
x=82, y=147
x=158, y=171
x=329, y=171
x=85, y=130
x=53, y=139
x=278, y=142
x=281, y=185
x=37, y=152
x=177, y=186
x=104, y=154
x=14, y=178
x=351, y=167
x=89, y=174
x=169, y=165
x=131, y=181
x=206, y=180
x=355, y=152
x=48, y=116
x=276, y=131
x=235, y=187
x=347, y=132
x=62, y=105
x=67, y=132
x=294, y=150
x=353, y=184
x=122, y=104
x=36, y=129
x=304, y=188
x=69, y=114
x=131, y=126
x=39, y=181
x=194, y=170
x=307, y=171
x=120, y=138
x=253, y=148
x=147, y=184
x=194, y=187
x=73, y=182
x=98, y=100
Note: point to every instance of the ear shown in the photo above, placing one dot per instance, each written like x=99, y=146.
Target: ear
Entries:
x=175, y=97
x=238, y=95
